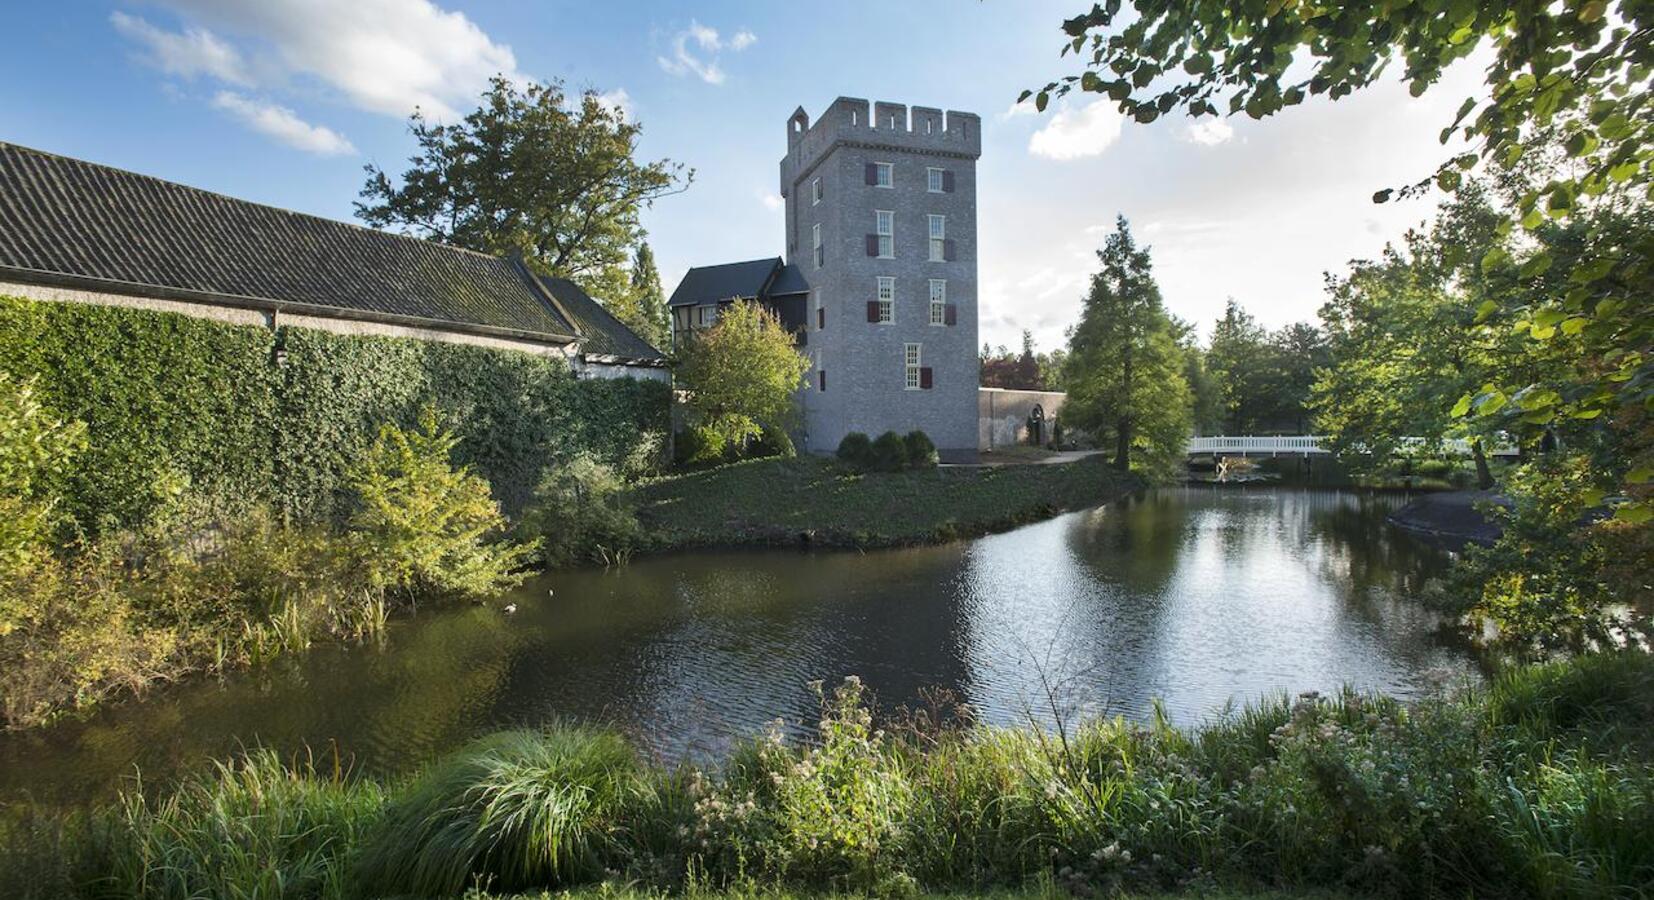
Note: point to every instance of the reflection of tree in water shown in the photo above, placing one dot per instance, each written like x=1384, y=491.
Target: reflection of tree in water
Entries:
x=1367, y=550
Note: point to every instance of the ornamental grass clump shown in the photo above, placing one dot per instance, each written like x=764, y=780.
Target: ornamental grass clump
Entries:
x=513, y=811
x=253, y=827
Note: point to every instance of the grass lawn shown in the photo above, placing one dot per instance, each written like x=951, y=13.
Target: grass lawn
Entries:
x=815, y=499
x=1047, y=892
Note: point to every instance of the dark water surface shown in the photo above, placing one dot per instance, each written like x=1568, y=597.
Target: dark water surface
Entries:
x=1197, y=596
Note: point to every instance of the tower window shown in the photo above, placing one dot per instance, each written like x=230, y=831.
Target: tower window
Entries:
x=884, y=222
x=887, y=299
x=815, y=245
x=938, y=238
x=938, y=301
x=911, y=356
x=884, y=175
x=815, y=192
x=933, y=180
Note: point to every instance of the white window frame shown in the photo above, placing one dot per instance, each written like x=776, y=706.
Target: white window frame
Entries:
x=884, y=225
x=706, y=315
x=884, y=175
x=815, y=191
x=885, y=292
x=912, y=361
x=938, y=301
x=933, y=179
x=938, y=229
x=815, y=245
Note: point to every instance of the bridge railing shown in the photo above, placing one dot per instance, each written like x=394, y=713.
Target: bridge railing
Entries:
x=1315, y=443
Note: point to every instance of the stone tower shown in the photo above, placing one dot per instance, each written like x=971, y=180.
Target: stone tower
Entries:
x=881, y=221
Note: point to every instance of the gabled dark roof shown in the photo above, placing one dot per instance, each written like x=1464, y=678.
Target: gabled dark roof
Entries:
x=67, y=221
x=602, y=333
x=790, y=280
x=714, y=284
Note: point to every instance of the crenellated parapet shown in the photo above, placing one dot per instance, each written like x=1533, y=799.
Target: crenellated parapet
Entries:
x=854, y=121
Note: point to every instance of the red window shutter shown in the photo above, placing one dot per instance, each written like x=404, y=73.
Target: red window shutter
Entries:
x=950, y=314
x=947, y=181
x=947, y=249
x=924, y=378
x=821, y=317
x=872, y=173
x=872, y=310
x=872, y=245
x=823, y=376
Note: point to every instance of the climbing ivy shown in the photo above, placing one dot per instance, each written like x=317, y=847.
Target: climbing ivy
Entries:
x=175, y=404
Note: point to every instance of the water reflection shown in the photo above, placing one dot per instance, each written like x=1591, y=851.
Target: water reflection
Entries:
x=1195, y=595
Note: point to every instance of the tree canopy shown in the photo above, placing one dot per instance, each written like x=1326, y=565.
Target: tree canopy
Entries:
x=739, y=376
x=1573, y=75
x=1125, y=368
x=531, y=172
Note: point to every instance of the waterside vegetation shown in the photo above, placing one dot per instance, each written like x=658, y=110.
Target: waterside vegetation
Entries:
x=1349, y=793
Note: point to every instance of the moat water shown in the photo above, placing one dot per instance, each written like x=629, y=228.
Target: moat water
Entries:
x=1198, y=597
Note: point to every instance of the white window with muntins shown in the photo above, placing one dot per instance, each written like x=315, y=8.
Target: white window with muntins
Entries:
x=933, y=179
x=912, y=357
x=887, y=299
x=884, y=175
x=815, y=191
x=884, y=222
x=706, y=315
x=938, y=301
x=938, y=238
x=815, y=244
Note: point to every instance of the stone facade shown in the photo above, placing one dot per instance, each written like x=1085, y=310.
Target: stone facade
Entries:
x=838, y=174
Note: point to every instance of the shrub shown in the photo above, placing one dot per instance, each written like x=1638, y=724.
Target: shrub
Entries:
x=856, y=450
x=772, y=442
x=513, y=811
x=921, y=450
x=581, y=514
x=889, y=453
x=699, y=446
x=422, y=525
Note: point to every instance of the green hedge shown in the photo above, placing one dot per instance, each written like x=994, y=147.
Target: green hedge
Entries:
x=174, y=402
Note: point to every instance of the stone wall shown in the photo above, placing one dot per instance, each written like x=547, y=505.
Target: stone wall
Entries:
x=1002, y=415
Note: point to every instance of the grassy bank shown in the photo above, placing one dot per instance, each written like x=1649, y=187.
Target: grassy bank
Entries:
x=1539, y=785
x=809, y=498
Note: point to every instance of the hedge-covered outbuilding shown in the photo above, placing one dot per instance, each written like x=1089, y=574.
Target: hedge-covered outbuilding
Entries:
x=247, y=353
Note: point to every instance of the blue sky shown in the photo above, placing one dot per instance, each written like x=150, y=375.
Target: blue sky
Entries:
x=284, y=101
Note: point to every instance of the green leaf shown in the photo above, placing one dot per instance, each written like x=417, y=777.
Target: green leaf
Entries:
x=1485, y=310
x=1537, y=265
x=1635, y=513
x=1041, y=101
x=1460, y=408
x=1574, y=325
x=1640, y=475
x=1090, y=83
x=1592, y=11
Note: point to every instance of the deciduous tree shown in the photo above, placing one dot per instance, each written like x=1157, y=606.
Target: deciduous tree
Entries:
x=739, y=376
x=532, y=171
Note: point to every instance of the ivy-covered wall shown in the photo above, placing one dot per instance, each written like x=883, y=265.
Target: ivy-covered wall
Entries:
x=178, y=403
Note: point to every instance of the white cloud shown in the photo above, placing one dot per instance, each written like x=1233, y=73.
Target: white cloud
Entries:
x=618, y=101
x=1076, y=133
x=771, y=201
x=702, y=62
x=1019, y=110
x=191, y=52
x=1208, y=132
x=383, y=56
x=283, y=124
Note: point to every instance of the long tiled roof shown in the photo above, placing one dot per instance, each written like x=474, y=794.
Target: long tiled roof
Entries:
x=605, y=335
x=72, y=221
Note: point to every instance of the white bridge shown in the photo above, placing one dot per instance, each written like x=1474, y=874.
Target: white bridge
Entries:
x=1309, y=444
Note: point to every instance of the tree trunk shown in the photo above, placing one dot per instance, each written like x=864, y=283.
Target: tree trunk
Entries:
x=1122, y=444
x=1484, y=475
